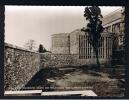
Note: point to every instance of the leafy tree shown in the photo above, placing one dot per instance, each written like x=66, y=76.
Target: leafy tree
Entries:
x=94, y=28
x=30, y=45
x=42, y=49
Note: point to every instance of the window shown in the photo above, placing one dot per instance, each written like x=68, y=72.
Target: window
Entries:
x=116, y=28
x=84, y=47
x=86, y=50
x=108, y=29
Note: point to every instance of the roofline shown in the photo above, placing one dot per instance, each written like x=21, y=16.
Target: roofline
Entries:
x=111, y=13
x=111, y=21
x=59, y=34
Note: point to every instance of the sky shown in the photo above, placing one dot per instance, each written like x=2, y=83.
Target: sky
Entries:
x=23, y=23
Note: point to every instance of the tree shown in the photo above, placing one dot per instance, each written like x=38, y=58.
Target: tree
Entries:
x=94, y=28
x=30, y=45
x=42, y=49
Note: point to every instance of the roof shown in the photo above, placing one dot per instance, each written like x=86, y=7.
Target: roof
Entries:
x=112, y=17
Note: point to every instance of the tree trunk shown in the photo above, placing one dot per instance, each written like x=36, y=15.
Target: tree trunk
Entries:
x=97, y=59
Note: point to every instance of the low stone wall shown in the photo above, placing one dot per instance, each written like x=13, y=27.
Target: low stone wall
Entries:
x=62, y=60
x=55, y=60
x=20, y=66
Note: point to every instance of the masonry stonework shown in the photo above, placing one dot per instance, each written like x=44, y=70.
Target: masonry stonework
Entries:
x=55, y=60
x=74, y=41
x=68, y=49
x=66, y=60
x=60, y=43
x=20, y=66
x=77, y=42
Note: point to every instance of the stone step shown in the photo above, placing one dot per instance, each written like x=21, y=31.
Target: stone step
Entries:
x=118, y=72
x=114, y=69
x=119, y=69
x=116, y=62
x=122, y=80
x=119, y=76
x=50, y=80
x=69, y=93
x=122, y=90
x=23, y=93
x=121, y=83
x=116, y=91
x=119, y=66
x=52, y=93
x=67, y=70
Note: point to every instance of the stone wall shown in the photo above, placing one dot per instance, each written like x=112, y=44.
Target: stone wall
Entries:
x=20, y=66
x=65, y=60
x=74, y=42
x=55, y=60
x=60, y=43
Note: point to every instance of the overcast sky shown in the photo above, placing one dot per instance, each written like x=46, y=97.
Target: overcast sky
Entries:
x=23, y=23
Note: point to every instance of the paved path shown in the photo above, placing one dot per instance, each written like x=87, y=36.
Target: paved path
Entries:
x=53, y=93
x=67, y=79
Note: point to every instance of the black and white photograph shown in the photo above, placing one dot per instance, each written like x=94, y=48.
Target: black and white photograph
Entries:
x=76, y=51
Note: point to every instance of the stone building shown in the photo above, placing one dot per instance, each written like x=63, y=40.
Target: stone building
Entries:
x=60, y=43
x=114, y=23
x=77, y=42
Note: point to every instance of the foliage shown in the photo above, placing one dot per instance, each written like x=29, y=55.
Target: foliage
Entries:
x=94, y=27
x=41, y=49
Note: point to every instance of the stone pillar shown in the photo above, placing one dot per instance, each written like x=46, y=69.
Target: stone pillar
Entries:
x=105, y=48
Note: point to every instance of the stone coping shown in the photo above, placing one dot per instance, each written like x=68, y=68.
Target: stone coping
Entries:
x=57, y=54
x=60, y=34
x=107, y=34
x=19, y=48
x=59, y=93
x=77, y=30
x=23, y=92
x=23, y=49
x=52, y=93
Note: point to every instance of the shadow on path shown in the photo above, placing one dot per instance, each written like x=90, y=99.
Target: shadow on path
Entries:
x=39, y=80
x=72, y=76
